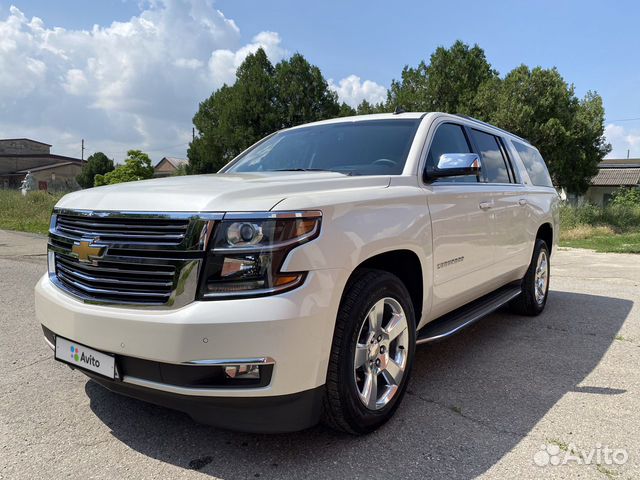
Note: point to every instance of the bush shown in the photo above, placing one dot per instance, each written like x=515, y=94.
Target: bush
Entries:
x=626, y=197
x=137, y=166
x=619, y=217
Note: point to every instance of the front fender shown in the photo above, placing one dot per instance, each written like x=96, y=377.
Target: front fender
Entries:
x=358, y=227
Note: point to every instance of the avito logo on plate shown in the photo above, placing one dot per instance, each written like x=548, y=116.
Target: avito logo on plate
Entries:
x=81, y=357
x=85, y=357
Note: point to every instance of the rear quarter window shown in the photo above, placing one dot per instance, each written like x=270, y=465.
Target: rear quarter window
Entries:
x=534, y=164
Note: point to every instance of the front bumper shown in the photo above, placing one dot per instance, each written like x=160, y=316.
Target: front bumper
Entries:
x=273, y=414
x=295, y=329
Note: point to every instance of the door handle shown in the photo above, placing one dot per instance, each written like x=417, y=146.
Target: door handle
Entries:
x=522, y=202
x=485, y=205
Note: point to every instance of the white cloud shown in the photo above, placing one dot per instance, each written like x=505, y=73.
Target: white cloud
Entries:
x=623, y=139
x=133, y=84
x=352, y=90
x=224, y=63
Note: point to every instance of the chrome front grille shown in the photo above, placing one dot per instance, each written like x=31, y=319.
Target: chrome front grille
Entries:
x=135, y=258
x=130, y=230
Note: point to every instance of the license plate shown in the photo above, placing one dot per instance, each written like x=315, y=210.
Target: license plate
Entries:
x=86, y=358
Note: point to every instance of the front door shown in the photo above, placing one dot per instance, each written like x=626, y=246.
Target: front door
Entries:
x=462, y=227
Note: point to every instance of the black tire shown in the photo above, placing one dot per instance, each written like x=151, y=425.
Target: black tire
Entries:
x=526, y=303
x=342, y=408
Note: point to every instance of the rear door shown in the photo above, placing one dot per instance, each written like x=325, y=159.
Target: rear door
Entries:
x=510, y=237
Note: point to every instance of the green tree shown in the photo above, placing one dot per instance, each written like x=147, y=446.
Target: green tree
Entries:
x=448, y=83
x=263, y=99
x=536, y=104
x=366, y=108
x=346, y=110
x=137, y=166
x=540, y=106
x=234, y=117
x=302, y=93
x=97, y=164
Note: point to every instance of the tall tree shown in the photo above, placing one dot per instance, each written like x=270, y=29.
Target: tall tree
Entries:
x=366, y=108
x=97, y=164
x=263, y=99
x=536, y=104
x=302, y=93
x=448, y=83
x=137, y=166
x=539, y=105
x=206, y=152
x=346, y=110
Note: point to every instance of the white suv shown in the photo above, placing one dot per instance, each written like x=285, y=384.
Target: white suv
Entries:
x=295, y=285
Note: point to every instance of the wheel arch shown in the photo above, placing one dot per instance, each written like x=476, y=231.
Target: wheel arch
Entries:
x=545, y=232
x=404, y=264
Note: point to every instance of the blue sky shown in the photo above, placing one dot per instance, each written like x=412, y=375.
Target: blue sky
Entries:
x=360, y=45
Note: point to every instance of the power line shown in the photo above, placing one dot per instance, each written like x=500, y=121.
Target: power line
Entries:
x=124, y=152
x=624, y=120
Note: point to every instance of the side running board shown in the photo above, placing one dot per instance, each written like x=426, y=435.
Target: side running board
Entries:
x=455, y=321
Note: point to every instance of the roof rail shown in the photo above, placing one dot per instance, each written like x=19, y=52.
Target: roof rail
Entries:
x=467, y=117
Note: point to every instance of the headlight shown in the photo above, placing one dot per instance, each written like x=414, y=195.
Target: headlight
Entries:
x=246, y=253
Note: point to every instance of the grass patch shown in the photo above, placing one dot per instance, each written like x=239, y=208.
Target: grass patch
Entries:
x=583, y=232
x=607, y=471
x=559, y=443
x=26, y=214
x=612, y=229
x=616, y=243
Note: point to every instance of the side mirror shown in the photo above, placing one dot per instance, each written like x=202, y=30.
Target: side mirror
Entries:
x=454, y=165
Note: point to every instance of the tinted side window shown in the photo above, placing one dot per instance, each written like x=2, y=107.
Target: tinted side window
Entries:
x=493, y=162
x=534, y=163
x=449, y=138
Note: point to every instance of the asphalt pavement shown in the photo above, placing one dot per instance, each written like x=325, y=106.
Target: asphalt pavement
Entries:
x=556, y=396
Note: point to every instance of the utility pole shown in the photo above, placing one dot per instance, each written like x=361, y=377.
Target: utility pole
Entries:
x=627, y=154
x=193, y=134
x=82, y=155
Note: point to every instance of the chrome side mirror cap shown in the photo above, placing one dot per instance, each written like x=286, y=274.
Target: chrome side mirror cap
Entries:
x=454, y=165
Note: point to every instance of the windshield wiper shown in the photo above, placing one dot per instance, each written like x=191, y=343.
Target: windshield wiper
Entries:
x=309, y=170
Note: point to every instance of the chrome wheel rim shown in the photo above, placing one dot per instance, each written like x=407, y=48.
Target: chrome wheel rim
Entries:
x=542, y=277
x=381, y=353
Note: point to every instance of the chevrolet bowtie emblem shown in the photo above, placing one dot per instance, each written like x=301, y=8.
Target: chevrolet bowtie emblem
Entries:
x=86, y=249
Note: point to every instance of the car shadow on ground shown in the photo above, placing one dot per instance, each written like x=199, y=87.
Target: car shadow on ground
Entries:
x=471, y=399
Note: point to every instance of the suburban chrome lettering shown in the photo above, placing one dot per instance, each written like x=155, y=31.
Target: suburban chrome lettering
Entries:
x=448, y=263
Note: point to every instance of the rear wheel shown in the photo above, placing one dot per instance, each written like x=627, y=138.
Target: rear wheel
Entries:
x=535, y=284
x=372, y=353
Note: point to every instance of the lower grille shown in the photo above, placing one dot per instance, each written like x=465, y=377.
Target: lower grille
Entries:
x=117, y=281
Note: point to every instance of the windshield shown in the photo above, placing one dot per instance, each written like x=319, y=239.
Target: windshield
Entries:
x=369, y=147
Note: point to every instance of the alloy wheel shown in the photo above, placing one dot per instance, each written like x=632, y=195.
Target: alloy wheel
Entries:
x=381, y=353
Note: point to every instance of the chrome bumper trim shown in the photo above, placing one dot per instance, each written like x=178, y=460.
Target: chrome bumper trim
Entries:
x=239, y=362
x=194, y=392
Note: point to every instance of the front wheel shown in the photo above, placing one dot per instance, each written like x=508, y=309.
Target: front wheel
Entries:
x=372, y=353
x=535, y=284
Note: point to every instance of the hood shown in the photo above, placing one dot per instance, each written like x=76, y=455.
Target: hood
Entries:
x=226, y=192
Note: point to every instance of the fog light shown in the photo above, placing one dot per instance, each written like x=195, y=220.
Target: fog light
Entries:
x=240, y=372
